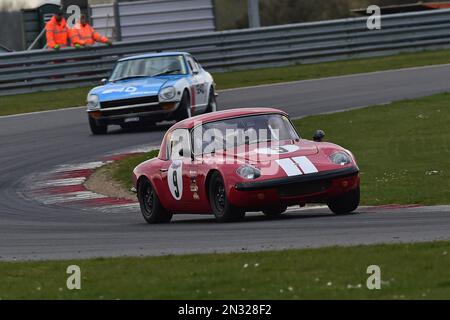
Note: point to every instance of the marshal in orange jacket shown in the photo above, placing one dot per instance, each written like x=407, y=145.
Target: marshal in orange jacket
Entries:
x=56, y=33
x=85, y=35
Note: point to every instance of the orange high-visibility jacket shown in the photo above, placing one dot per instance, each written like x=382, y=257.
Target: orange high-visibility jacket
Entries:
x=85, y=35
x=57, y=33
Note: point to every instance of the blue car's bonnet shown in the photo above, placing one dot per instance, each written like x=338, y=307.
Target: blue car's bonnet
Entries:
x=133, y=88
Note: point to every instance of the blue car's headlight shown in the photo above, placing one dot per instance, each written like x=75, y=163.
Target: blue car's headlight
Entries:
x=93, y=102
x=167, y=93
x=248, y=172
x=340, y=158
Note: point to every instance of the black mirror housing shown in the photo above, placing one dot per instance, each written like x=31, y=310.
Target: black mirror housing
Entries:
x=319, y=136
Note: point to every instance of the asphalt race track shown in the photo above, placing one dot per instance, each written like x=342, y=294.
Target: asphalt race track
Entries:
x=35, y=142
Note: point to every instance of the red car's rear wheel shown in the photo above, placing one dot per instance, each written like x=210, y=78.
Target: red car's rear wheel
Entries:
x=223, y=210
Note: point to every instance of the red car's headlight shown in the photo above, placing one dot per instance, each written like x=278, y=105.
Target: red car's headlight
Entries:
x=248, y=172
x=340, y=158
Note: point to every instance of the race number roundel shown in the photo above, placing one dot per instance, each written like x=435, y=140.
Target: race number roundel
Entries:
x=278, y=150
x=175, y=179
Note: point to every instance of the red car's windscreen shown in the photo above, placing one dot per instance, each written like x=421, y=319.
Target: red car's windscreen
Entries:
x=233, y=132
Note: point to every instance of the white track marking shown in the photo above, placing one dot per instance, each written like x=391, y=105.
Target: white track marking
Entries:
x=61, y=182
x=83, y=166
x=69, y=197
x=306, y=165
x=137, y=149
x=40, y=112
x=307, y=207
x=289, y=167
x=119, y=208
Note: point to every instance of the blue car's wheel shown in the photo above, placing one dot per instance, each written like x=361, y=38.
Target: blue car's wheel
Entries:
x=212, y=102
x=97, y=128
x=184, y=109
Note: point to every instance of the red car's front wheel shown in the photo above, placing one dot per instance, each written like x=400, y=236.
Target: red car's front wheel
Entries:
x=223, y=210
x=346, y=203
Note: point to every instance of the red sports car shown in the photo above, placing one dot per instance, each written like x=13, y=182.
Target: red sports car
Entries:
x=230, y=162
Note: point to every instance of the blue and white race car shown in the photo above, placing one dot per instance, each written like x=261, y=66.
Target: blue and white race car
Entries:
x=150, y=88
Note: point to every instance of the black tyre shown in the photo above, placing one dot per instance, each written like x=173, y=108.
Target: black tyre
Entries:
x=274, y=212
x=212, y=102
x=346, y=203
x=184, y=109
x=97, y=128
x=223, y=210
x=151, y=208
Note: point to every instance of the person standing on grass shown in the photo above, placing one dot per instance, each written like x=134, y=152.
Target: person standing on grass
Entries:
x=83, y=34
x=57, y=32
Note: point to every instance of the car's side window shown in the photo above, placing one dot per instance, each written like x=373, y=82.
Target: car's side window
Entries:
x=199, y=66
x=192, y=65
x=179, y=145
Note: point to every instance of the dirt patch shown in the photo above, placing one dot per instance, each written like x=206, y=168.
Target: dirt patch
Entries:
x=102, y=182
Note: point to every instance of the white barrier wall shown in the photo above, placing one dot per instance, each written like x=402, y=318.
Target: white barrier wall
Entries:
x=103, y=19
x=154, y=19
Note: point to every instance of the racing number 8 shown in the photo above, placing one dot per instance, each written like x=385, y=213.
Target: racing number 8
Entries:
x=175, y=184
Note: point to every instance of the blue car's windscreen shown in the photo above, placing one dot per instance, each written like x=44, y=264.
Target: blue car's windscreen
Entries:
x=149, y=67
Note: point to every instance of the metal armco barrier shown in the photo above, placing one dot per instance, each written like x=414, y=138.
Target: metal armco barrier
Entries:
x=234, y=50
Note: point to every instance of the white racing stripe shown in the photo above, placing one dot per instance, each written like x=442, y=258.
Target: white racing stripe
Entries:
x=306, y=165
x=289, y=167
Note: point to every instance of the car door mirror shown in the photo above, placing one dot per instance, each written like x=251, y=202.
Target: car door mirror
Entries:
x=104, y=81
x=319, y=135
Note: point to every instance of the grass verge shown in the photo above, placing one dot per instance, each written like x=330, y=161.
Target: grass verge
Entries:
x=408, y=271
x=43, y=101
x=77, y=96
x=121, y=170
x=402, y=149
